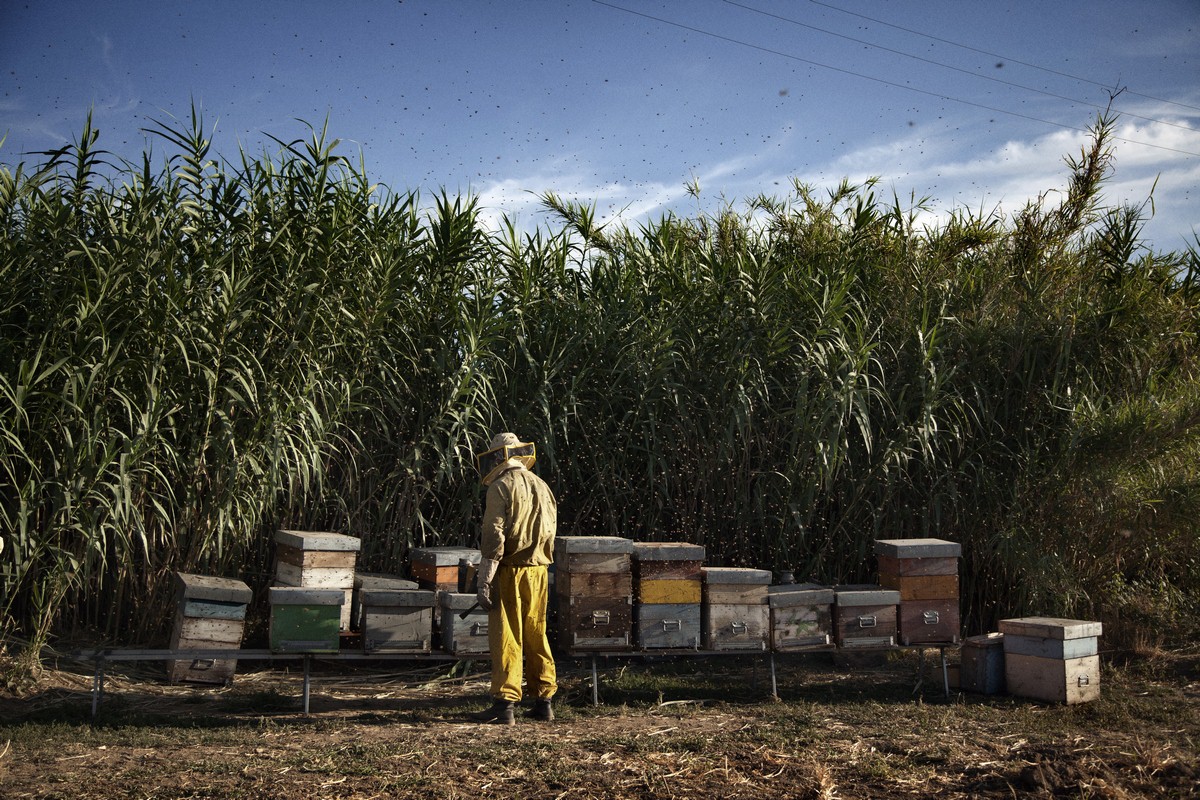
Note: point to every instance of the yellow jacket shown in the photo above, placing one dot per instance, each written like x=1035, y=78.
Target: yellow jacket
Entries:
x=519, y=520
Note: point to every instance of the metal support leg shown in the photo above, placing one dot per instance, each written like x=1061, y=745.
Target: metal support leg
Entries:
x=595, y=682
x=307, y=682
x=945, y=674
x=97, y=686
x=774, y=685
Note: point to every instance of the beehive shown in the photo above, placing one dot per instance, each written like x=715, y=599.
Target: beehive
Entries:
x=734, y=613
x=437, y=568
x=982, y=666
x=801, y=617
x=462, y=635
x=318, y=560
x=925, y=573
x=305, y=620
x=668, y=589
x=1052, y=659
x=210, y=614
x=371, y=580
x=396, y=617
x=594, y=592
x=864, y=616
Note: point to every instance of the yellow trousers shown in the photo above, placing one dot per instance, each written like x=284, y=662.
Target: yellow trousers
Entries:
x=517, y=634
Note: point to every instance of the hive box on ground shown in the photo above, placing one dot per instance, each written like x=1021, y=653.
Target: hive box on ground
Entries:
x=801, y=617
x=305, y=620
x=462, y=635
x=735, y=614
x=210, y=614
x=594, y=592
x=1040, y=660
x=396, y=620
x=982, y=666
x=864, y=616
x=437, y=568
x=318, y=560
x=925, y=573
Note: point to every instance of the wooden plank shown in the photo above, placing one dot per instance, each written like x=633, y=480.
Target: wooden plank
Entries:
x=668, y=591
x=728, y=626
x=570, y=545
x=442, y=556
x=917, y=566
x=342, y=559
x=213, y=609
x=1051, y=627
x=668, y=570
x=735, y=594
x=314, y=577
x=921, y=587
x=917, y=548
x=594, y=562
x=207, y=587
x=611, y=585
x=929, y=621
x=317, y=540
x=668, y=551
x=1069, y=681
x=205, y=629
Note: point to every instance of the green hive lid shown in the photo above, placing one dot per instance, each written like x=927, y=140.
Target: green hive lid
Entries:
x=442, y=556
x=917, y=548
x=736, y=575
x=668, y=551
x=593, y=544
x=317, y=540
x=205, y=587
x=1051, y=628
x=303, y=596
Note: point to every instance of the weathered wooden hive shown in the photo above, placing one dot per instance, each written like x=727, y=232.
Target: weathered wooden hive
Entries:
x=318, y=560
x=668, y=589
x=594, y=592
x=801, y=617
x=1052, y=659
x=864, y=616
x=925, y=572
x=735, y=614
x=395, y=616
x=210, y=614
x=982, y=665
x=462, y=635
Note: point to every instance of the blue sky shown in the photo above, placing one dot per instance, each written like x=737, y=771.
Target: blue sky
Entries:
x=623, y=103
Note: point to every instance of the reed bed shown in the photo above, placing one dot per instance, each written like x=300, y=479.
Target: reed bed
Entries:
x=197, y=353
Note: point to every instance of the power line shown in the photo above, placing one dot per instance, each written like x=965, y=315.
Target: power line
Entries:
x=893, y=84
x=998, y=55
x=958, y=69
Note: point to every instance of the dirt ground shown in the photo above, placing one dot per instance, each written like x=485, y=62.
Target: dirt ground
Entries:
x=665, y=728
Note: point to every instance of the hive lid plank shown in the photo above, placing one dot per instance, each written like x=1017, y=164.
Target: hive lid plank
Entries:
x=736, y=575
x=668, y=551
x=593, y=544
x=443, y=556
x=417, y=598
x=456, y=601
x=917, y=548
x=861, y=595
x=1051, y=627
x=787, y=596
x=207, y=587
x=370, y=581
x=300, y=596
x=318, y=540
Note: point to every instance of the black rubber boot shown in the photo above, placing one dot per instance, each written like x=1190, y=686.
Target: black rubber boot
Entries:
x=541, y=711
x=500, y=713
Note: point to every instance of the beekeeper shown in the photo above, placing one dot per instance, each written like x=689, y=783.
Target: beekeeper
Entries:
x=516, y=545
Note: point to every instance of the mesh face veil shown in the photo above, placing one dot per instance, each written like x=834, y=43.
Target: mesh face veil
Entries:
x=504, y=446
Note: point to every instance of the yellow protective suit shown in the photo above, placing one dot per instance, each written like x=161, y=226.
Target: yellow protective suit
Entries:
x=519, y=522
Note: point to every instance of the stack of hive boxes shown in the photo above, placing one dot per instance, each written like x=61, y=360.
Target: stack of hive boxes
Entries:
x=317, y=560
x=210, y=614
x=801, y=616
x=735, y=614
x=864, y=616
x=437, y=568
x=594, y=592
x=394, y=616
x=925, y=573
x=1052, y=659
x=667, y=586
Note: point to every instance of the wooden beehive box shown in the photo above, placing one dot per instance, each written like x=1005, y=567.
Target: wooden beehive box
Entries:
x=668, y=625
x=982, y=666
x=210, y=614
x=397, y=620
x=437, y=568
x=734, y=612
x=925, y=573
x=864, y=616
x=801, y=617
x=459, y=635
x=667, y=573
x=594, y=592
x=305, y=620
x=1052, y=659
x=318, y=560
x=372, y=580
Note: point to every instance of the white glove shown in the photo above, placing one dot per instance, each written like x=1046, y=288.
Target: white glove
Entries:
x=486, y=577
